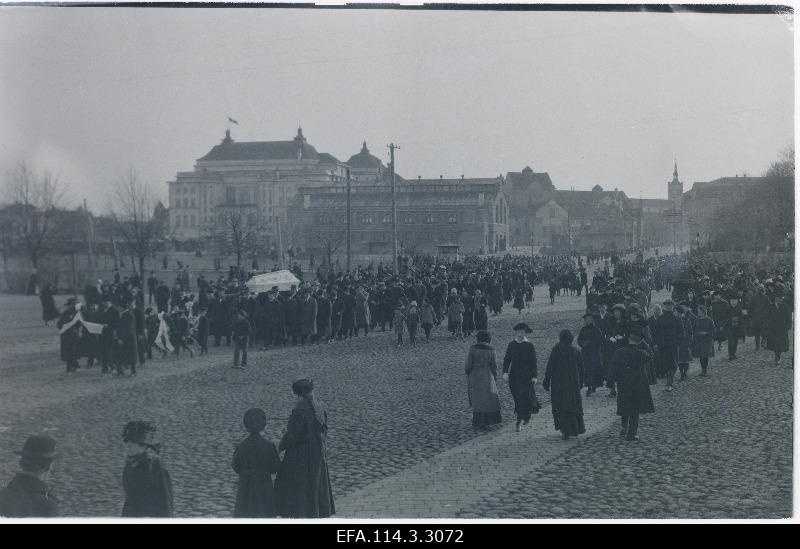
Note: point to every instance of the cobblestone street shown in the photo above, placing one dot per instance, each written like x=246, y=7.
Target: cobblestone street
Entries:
x=401, y=442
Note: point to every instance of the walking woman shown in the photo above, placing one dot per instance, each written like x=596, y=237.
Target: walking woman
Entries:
x=481, y=370
x=703, y=339
x=563, y=374
x=427, y=317
x=302, y=486
x=520, y=361
x=779, y=322
x=49, y=310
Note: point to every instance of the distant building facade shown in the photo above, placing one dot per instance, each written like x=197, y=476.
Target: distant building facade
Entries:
x=255, y=180
x=471, y=213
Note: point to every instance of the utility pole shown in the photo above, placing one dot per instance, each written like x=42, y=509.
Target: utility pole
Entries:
x=89, y=235
x=280, y=241
x=392, y=147
x=348, y=220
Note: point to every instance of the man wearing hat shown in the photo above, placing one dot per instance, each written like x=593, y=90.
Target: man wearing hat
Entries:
x=628, y=370
x=147, y=484
x=590, y=340
x=669, y=334
x=70, y=338
x=27, y=495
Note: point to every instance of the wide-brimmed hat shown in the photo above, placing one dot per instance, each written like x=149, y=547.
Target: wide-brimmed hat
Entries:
x=39, y=447
x=619, y=306
x=302, y=387
x=523, y=326
x=140, y=432
x=636, y=332
x=589, y=314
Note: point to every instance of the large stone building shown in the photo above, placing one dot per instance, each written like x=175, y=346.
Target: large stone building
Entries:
x=528, y=192
x=472, y=213
x=255, y=181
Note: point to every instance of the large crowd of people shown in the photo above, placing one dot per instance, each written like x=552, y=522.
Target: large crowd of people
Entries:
x=627, y=343
x=120, y=326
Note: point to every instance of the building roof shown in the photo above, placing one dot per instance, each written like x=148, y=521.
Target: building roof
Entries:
x=229, y=149
x=364, y=159
x=584, y=204
x=527, y=177
x=722, y=185
x=326, y=158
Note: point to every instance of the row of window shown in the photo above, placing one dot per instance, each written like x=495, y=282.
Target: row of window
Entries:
x=186, y=190
x=407, y=218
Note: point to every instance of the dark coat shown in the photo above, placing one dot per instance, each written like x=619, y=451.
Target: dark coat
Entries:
x=481, y=370
x=148, y=487
x=685, y=345
x=563, y=379
x=703, y=338
x=481, y=316
x=779, y=323
x=302, y=486
x=125, y=351
x=49, y=310
x=308, y=316
x=591, y=342
x=255, y=460
x=293, y=316
x=759, y=311
x=27, y=496
x=72, y=338
x=629, y=370
x=273, y=323
x=669, y=332
x=520, y=359
x=323, y=316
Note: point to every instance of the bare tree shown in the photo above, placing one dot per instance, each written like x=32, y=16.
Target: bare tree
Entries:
x=132, y=212
x=36, y=197
x=329, y=242
x=241, y=232
x=784, y=165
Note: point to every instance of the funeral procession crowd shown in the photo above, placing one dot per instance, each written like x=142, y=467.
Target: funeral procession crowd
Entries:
x=627, y=342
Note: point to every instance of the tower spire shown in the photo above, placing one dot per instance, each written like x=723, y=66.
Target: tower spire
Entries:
x=675, y=173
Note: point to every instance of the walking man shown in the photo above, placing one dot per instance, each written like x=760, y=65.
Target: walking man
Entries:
x=629, y=371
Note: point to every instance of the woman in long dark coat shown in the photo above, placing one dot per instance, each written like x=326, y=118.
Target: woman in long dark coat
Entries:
x=563, y=374
x=520, y=360
x=628, y=370
x=591, y=342
x=468, y=322
x=481, y=370
x=49, y=310
x=302, y=486
x=255, y=460
x=779, y=322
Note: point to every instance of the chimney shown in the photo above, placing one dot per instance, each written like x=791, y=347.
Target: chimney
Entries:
x=419, y=178
x=440, y=177
x=462, y=177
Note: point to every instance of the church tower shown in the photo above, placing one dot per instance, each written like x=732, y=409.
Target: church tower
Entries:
x=675, y=190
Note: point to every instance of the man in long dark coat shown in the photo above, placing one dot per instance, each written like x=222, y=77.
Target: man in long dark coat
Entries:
x=779, y=322
x=669, y=333
x=591, y=342
x=71, y=338
x=125, y=350
x=759, y=315
x=293, y=315
x=273, y=321
x=308, y=318
x=221, y=321
x=629, y=371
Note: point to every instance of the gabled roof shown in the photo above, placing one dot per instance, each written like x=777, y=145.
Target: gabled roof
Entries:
x=584, y=204
x=327, y=158
x=719, y=187
x=527, y=177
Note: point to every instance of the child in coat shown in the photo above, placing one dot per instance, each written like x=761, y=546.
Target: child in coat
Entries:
x=255, y=460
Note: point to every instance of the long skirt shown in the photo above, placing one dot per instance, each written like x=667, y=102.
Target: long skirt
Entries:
x=525, y=401
x=569, y=423
x=482, y=420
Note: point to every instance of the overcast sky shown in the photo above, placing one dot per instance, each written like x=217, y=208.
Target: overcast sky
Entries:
x=588, y=97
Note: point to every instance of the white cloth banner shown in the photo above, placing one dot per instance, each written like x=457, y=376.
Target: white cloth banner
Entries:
x=91, y=327
x=265, y=282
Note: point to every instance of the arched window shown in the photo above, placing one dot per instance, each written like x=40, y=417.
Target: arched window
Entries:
x=410, y=218
x=366, y=219
x=386, y=219
x=453, y=218
x=431, y=218
x=343, y=219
